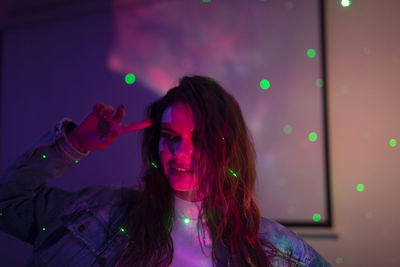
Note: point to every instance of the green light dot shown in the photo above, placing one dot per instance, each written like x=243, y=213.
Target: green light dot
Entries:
x=393, y=142
x=339, y=260
x=311, y=53
x=186, y=220
x=44, y=229
x=206, y=1
x=291, y=210
x=155, y=166
x=233, y=173
x=1, y=214
x=316, y=217
x=130, y=78
x=319, y=83
x=289, y=4
x=76, y=161
x=287, y=129
x=360, y=187
x=44, y=156
x=265, y=84
x=223, y=138
x=313, y=136
x=345, y=3
x=122, y=229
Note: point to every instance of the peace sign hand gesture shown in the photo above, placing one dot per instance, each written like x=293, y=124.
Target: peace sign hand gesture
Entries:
x=100, y=128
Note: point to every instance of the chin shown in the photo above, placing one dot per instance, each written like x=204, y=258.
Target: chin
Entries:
x=182, y=188
x=181, y=185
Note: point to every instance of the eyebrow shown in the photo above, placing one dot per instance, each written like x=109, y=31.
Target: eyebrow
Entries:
x=165, y=127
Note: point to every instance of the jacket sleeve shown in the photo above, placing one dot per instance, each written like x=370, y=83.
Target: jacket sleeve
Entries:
x=26, y=203
x=287, y=248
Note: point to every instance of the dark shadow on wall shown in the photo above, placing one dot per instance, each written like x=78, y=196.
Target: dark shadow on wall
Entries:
x=79, y=79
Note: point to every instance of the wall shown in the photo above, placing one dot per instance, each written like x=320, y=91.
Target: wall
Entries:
x=363, y=60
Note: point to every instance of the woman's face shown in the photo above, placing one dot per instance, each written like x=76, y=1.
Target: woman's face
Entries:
x=176, y=150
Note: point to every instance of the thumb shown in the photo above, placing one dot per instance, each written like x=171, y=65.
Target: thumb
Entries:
x=107, y=140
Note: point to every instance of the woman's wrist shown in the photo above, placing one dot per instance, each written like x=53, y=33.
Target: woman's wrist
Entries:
x=73, y=139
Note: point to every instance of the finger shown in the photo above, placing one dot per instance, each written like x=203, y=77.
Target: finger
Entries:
x=134, y=126
x=98, y=107
x=120, y=114
x=104, y=111
x=108, y=110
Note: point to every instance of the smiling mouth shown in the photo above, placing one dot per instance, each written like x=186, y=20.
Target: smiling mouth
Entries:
x=180, y=171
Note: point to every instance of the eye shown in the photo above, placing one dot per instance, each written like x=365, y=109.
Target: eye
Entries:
x=167, y=136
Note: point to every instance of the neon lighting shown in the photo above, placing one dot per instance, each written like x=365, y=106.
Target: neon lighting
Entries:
x=360, y=187
x=287, y=129
x=345, y=3
x=393, y=142
x=313, y=136
x=265, y=84
x=234, y=174
x=319, y=83
x=311, y=53
x=316, y=217
x=130, y=78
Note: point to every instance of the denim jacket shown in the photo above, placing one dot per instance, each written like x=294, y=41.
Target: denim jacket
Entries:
x=75, y=228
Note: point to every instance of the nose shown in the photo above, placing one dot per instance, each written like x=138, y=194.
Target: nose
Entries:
x=183, y=148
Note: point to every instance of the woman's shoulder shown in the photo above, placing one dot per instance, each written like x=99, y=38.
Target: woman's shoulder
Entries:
x=284, y=244
x=274, y=231
x=100, y=196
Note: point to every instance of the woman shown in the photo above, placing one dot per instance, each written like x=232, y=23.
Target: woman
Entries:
x=194, y=207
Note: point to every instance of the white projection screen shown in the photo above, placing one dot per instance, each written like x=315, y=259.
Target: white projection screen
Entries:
x=61, y=67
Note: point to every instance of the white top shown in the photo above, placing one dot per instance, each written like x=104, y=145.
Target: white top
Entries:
x=186, y=238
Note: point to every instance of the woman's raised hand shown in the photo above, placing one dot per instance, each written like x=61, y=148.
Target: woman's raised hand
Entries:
x=101, y=127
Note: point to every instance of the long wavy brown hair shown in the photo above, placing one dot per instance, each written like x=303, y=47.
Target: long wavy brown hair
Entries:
x=226, y=153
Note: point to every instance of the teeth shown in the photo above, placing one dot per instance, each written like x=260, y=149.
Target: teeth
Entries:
x=179, y=169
